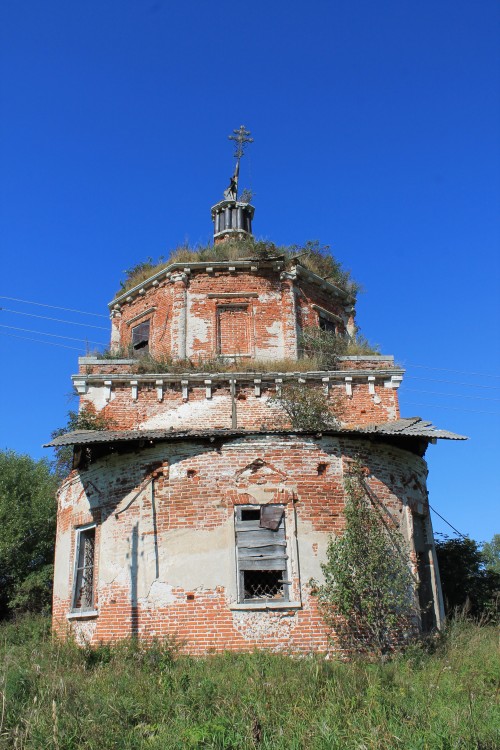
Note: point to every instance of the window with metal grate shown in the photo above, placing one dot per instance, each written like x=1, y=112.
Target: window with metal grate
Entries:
x=261, y=549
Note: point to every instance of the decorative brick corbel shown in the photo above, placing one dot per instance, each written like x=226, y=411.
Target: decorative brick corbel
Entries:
x=208, y=388
x=159, y=390
x=348, y=386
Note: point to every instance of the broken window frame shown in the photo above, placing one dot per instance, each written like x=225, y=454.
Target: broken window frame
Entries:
x=276, y=561
x=327, y=324
x=139, y=341
x=84, y=569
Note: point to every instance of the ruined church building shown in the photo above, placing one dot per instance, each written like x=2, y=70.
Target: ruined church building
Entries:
x=200, y=512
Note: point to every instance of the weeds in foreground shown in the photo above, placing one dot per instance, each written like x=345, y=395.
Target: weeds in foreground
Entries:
x=56, y=695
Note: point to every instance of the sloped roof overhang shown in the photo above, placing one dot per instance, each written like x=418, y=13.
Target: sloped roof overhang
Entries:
x=409, y=427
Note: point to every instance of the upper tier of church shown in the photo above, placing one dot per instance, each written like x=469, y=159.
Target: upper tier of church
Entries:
x=236, y=309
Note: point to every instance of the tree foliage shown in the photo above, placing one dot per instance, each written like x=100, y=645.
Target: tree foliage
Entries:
x=27, y=532
x=308, y=408
x=468, y=584
x=86, y=419
x=491, y=554
x=367, y=597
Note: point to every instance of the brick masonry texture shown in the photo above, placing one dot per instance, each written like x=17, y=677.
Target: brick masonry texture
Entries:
x=166, y=557
x=165, y=561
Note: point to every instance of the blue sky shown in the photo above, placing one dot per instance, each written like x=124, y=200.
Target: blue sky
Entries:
x=376, y=131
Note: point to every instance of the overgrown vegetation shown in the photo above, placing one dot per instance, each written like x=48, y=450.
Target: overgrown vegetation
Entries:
x=86, y=419
x=56, y=695
x=27, y=532
x=312, y=255
x=320, y=350
x=325, y=348
x=308, y=408
x=470, y=577
x=368, y=595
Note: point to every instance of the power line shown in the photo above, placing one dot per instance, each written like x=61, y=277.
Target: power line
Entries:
x=51, y=343
x=55, y=307
x=452, y=382
x=57, y=320
x=453, y=395
x=459, y=372
x=444, y=519
x=53, y=335
x=452, y=408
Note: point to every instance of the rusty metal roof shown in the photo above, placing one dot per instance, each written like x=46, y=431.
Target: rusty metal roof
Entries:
x=406, y=427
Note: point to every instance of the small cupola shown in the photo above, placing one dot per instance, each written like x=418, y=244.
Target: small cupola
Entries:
x=233, y=215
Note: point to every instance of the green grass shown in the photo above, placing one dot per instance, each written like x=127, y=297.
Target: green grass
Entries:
x=54, y=695
x=312, y=255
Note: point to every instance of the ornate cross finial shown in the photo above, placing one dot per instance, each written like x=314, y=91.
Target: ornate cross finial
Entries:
x=241, y=137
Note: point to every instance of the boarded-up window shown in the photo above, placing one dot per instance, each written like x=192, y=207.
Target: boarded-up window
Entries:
x=83, y=587
x=261, y=553
x=233, y=329
x=140, y=337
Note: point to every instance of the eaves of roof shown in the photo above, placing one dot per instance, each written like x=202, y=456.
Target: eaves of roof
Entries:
x=414, y=427
x=226, y=264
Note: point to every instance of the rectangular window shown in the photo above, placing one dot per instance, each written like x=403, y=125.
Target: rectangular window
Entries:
x=83, y=587
x=140, y=337
x=233, y=329
x=327, y=325
x=261, y=553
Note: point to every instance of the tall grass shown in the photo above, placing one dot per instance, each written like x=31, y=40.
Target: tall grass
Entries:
x=55, y=695
x=312, y=255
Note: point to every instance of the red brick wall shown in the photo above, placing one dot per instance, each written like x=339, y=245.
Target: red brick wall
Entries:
x=182, y=584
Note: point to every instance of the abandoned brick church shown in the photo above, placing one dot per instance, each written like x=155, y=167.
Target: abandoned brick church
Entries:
x=201, y=512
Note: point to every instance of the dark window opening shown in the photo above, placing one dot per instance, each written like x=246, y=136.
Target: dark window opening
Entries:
x=263, y=584
x=327, y=325
x=250, y=514
x=83, y=592
x=140, y=337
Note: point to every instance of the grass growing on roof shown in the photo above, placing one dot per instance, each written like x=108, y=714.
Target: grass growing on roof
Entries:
x=312, y=255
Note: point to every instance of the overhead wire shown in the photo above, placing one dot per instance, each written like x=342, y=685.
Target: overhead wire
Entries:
x=57, y=320
x=53, y=335
x=449, y=524
x=452, y=382
x=459, y=372
x=452, y=395
x=55, y=307
x=51, y=343
x=452, y=408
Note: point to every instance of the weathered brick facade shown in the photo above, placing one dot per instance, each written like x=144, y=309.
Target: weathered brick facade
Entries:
x=148, y=523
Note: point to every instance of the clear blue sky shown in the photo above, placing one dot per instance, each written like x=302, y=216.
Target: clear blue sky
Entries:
x=376, y=129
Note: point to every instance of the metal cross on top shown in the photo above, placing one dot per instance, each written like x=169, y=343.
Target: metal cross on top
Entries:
x=241, y=137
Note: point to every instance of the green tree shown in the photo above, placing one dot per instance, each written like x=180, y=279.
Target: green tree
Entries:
x=27, y=532
x=308, y=408
x=491, y=554
x=86, y=419
x=467, y=582
x=368, y=595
